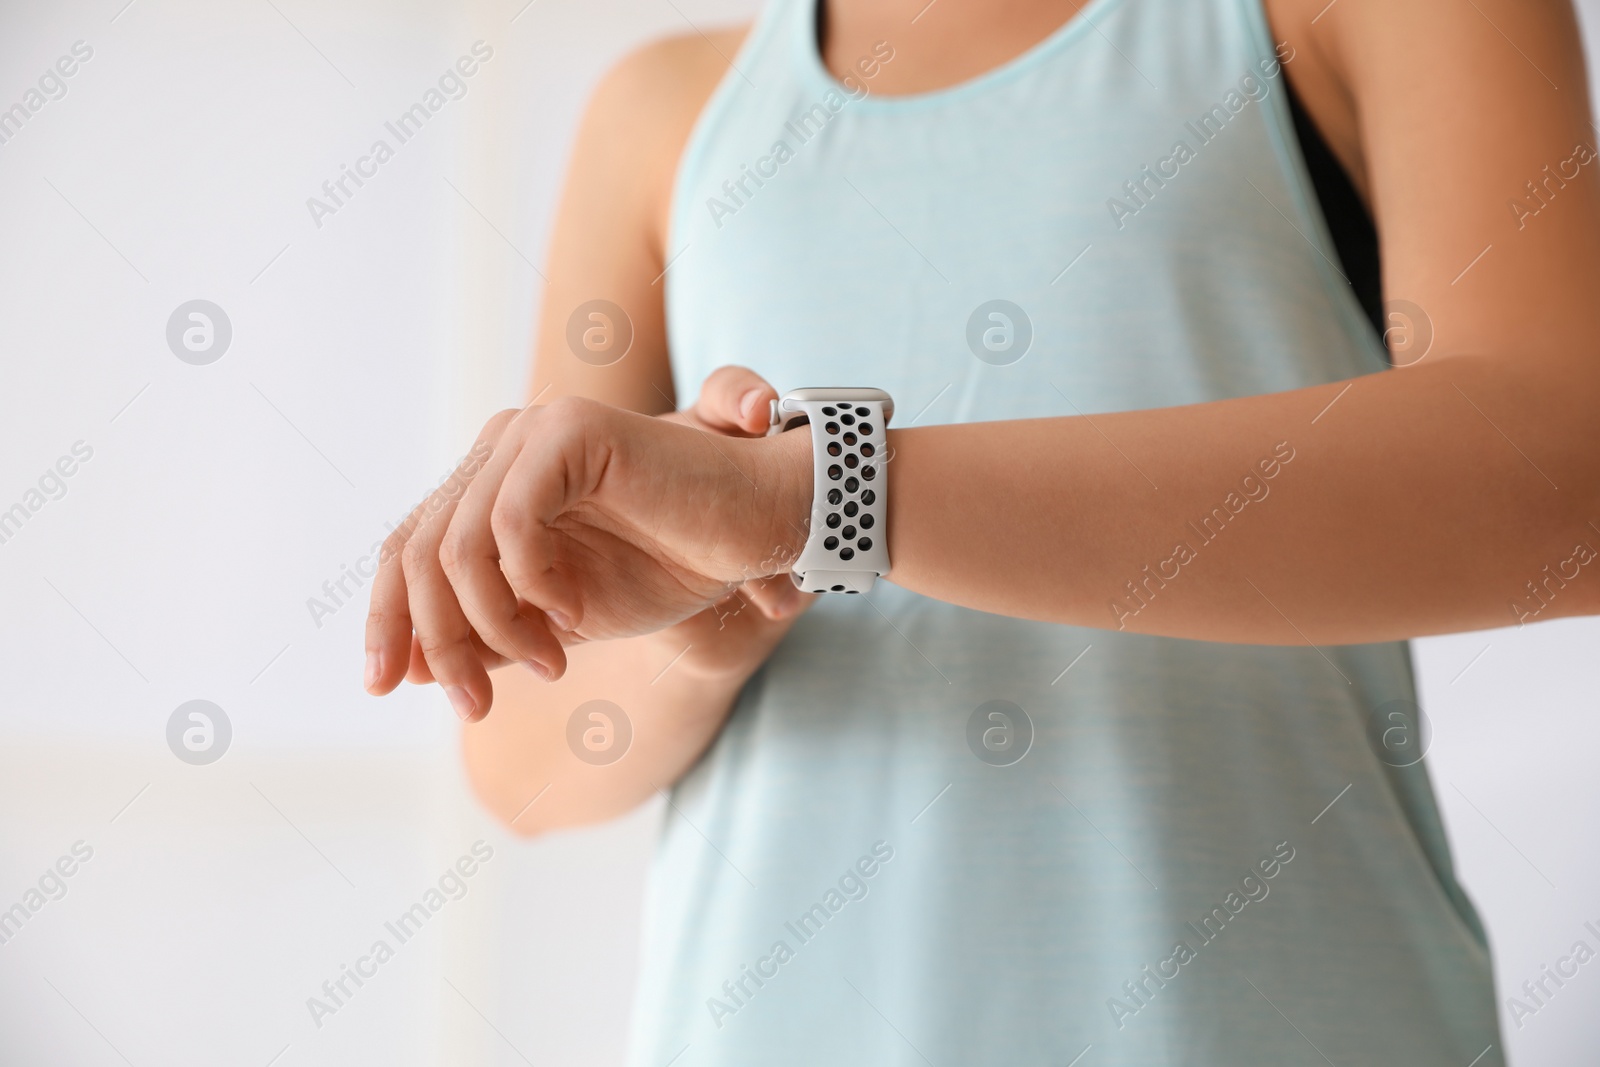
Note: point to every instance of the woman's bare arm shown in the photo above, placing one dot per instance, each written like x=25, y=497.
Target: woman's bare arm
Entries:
x=608, y=244
x=1423, y=500
x=1462, y=492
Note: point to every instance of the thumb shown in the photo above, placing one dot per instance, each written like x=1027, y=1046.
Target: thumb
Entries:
x=735, y=401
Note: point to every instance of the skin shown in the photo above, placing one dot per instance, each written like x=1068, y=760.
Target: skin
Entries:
x=1418, y=501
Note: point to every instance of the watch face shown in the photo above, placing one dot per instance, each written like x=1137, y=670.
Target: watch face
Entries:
x=792, y=400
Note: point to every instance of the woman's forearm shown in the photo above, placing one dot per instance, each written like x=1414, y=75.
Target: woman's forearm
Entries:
x=524, y=760
x=1447, y=496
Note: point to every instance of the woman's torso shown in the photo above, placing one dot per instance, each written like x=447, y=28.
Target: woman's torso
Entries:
x=1018, y=910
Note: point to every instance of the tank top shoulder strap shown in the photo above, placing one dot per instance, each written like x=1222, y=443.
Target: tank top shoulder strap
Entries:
x=762, y=69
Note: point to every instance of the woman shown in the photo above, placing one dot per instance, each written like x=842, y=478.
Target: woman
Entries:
x=1124, y=767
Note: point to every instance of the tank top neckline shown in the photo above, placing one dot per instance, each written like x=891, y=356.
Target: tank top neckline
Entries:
x=816, y=74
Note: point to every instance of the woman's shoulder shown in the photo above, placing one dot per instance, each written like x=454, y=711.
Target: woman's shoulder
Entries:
x=642, y=112
x=669, y=78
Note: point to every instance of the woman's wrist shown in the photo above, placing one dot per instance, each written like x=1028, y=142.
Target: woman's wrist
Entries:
x=781, y=468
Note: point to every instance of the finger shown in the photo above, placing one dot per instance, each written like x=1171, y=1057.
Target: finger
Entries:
x=441, y=626
x=735, y=400
x=471, y=561
x=389, y=624
x=777, y=597
x=389, y=616
x=419, y=674
x=553, y=470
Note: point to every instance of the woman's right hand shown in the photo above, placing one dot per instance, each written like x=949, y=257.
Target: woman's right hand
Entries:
x=734, y=636
x=729, y=639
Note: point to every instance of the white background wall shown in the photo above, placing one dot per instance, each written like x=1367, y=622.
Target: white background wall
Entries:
x=219, y=498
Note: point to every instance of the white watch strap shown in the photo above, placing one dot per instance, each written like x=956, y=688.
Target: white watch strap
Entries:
x=847, y=548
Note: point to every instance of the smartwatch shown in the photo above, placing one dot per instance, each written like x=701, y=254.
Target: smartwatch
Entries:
x=847, y=548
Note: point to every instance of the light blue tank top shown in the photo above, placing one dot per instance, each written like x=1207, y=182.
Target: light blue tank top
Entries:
x=929, y=835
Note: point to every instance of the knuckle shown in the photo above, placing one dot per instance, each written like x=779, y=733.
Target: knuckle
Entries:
x=721, y=379
x=509, y=521
x=381, y=618
x=494, y=432
x=453, y=551
x=568, y=412
x=452, y=488
x=415, y=557
x=747, y=379
x=393, y=545
x=435, y=646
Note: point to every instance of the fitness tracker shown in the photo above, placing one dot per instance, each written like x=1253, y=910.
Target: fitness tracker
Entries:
x=847, y=548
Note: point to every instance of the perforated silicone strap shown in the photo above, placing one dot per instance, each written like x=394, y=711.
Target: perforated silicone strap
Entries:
x=847, y=547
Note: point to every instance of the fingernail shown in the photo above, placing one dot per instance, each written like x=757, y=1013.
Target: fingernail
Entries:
x=374, y=669
x=461, y=700
x=747, y=403
x=544, y=673
x=560, y=621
